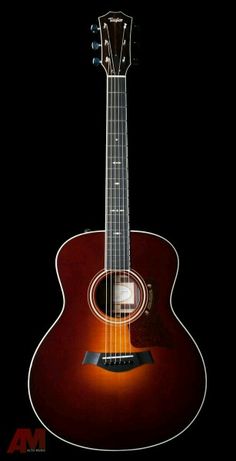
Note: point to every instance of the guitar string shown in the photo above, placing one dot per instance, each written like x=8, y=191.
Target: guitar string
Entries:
x=111, y=224
x=109, y=172
x=125, y=200
x=126, y=306
x=128, y=231
x=106, y=220
x=112, y=195
x=109, y=251
x=124, y=207
x=120, y=131
x=112, y=200
x=121, y=207
x=122, y=114
x=108, y=223
x=115, y=237
x=119, y=197
x=122, y=176
x=107, y=231
x=128, y=235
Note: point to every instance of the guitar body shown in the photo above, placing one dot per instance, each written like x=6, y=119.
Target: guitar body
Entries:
x=91, y=406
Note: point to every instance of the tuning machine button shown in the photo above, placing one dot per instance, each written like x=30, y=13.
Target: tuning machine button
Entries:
x=95, y=45
x=96, y=61
x=94, y=28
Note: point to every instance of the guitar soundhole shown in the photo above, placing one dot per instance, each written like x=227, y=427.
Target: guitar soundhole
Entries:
x=117, y=296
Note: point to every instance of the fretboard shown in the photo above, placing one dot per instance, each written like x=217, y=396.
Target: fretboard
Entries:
x=117, y=235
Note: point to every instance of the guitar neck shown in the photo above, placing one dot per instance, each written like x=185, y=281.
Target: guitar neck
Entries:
x=117, y=240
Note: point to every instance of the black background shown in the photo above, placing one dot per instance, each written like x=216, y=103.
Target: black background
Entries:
x=54, y=167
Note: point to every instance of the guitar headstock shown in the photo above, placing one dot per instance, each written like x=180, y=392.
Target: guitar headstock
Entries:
x=115, y=34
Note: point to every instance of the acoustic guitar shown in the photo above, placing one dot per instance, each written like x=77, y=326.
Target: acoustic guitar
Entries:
x=117, y=370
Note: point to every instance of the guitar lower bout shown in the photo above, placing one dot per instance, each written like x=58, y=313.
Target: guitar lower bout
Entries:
x=99, y=370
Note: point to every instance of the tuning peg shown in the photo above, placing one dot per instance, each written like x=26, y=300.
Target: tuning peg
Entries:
x=137, y=28
x=95, y=45
x=96, y=61
x=94, y=28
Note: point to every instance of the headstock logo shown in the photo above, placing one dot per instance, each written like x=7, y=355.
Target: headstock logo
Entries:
x=115, y=19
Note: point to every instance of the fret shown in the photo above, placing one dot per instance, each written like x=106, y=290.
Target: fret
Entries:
x=113, y=166
x=116, y=184
x=122, y=214
x=114, y=204
x=117, y=264
x=111, y=237
x=116, y=158
x=119, y=252
x=123, y=219
x=114, y=178
x=118, y=246
x=111, y=251
x=115, y=255
x=119, y=190
x=112, y=234
x=118, y=242
x=116, y=113
x=116, y=138
x=115, y=233
x=118, y=178
x=121, y=96
x=117, y=259
x=112, y=196
x=116, y=213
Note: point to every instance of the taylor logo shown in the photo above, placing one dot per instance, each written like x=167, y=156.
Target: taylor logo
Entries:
x=115, y=19
x=28, y=441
